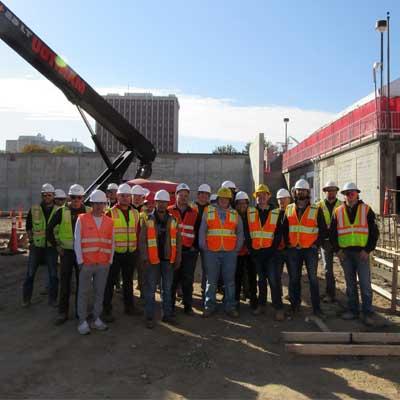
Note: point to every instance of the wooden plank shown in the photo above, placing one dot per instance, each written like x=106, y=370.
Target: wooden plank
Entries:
x=316, y=337
x=395, y=272
x=375, y=337
x=383, y=261
x=343, y=349
x=384, y=293
x=388, y=251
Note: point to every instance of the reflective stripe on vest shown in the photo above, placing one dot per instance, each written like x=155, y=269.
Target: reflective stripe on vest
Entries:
x=221, y=237
x=125, y=237
x=185, y=226
x=152, y=249
x=262, y=236
x=39, y=225
x=302, y=233
x=324, y=208
x=96, y=243
x=356, y=234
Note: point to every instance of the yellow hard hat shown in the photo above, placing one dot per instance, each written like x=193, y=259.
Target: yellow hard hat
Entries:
x=261, y=189
x=225, y=193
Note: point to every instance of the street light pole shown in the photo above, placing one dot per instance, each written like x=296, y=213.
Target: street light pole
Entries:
x=376, y=67
x=381, y=27
x=286, y=120
x=388, y=72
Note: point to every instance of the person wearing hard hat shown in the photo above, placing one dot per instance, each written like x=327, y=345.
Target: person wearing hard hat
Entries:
x=245, y=266
x=94, y=248
x=232, y=187
x=284, y=199
x=40, y=249
x=328, y=207
x=111, y=193
x=186, y=217
x=221, y=237
x=160, y=249
x=59, y=197
x=354, y=234
x=305, y=230
x=148, y=205
x=201, y=203
x=138, y=196
x=265, y=232
x=61, y=235
x=125, y=261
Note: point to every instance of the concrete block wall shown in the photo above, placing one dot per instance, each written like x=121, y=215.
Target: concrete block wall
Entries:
x=21, y=175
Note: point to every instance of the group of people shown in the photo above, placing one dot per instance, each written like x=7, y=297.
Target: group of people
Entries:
x=242, y=248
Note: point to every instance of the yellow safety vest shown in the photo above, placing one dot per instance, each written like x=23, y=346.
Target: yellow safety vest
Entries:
x=39, y=225
x=125, y=237
x=324, y=208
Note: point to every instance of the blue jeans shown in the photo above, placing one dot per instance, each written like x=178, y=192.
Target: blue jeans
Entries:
x=217, y=262
x=267, y=269
x=327, y=260
x=152, y=275
x=296, y=258
x=280, y=260
x=352, y=266
x=38, y=255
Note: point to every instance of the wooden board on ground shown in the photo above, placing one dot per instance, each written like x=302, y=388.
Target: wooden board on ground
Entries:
x=375, y=337
x=316, y=337
x=343, y=349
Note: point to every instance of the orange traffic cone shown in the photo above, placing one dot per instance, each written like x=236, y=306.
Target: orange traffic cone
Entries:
x=386, y=203
x=20, y=218
x=13, y=242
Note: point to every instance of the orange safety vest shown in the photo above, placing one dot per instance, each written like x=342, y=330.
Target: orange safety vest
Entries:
x=152, y=249
x=262, y=236
x=221, y=237
x=186, y=226
x=96, y=242
x=302, y=233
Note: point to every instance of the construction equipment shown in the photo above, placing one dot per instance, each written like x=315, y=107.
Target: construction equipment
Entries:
x=36, y=52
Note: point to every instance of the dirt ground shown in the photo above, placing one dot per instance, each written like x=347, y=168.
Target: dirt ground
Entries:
x=214, y=358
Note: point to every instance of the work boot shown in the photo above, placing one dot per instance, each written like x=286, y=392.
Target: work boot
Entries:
x=328, y=299
x=232, y=313
x=259, y=310
x=44, y=292
x=99, y=325
x=149, y=323
x=26, y=303
x=348, y=316
x=108, y=317
x=279, y=315
x=84, y=328
x=189, y=311
x=61, y=318
x=369, y=319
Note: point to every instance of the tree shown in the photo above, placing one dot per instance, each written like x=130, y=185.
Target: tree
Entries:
x=62, y=149
x=267, y=144
x=226, y=149
x=34, y=148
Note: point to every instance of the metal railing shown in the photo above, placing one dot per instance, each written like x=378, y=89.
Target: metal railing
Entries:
x=370, y=126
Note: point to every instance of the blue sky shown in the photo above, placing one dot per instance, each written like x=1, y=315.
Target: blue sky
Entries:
x=245, y=64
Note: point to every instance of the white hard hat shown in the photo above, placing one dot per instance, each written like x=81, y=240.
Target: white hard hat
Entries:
x=162, y=195
x=349, y=186
x=302, y=184
x=228, y=184
x=60, y=194
x=282, y=193
x=98, y=196
x=241, y=196
x=213, y=197
x=182, y=186
x=146, y=191
x=76, y=190
x=112, y=186
x=124, y=189
x=204, y=188
x=47, y=188
x=330, y=184
x=137, y=189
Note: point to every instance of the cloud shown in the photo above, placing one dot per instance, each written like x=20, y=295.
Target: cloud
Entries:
x=37, y=100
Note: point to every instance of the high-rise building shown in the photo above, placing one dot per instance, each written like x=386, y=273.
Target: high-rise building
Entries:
x=155, y=117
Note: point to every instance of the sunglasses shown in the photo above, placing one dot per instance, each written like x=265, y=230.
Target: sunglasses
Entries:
x=76, y=197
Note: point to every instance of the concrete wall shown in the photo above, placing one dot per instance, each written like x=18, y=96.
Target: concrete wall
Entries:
x=21, y=175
